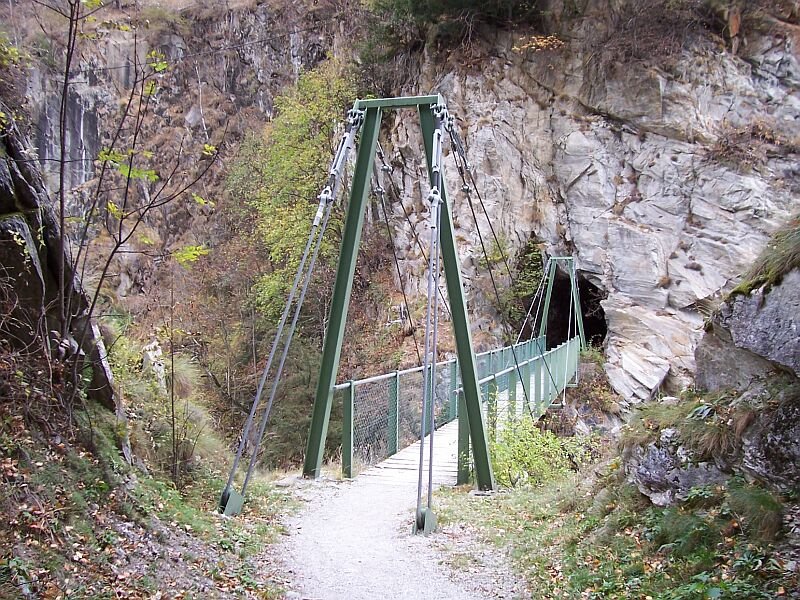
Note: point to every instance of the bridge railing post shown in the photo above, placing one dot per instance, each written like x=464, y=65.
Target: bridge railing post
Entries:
x=393, y=429
x=491, y=408
x=463, y=441
x=453, y=397
x=526, y=382
x=536, y=384
x=347, y=430
x=512, y=394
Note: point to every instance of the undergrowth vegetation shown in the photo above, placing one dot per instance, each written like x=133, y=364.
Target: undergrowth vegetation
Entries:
x=575, y=526
x=524, y=454
x=593, y=535
x=81, y=522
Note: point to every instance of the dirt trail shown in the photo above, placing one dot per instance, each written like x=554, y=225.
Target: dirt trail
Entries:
x=353, y=541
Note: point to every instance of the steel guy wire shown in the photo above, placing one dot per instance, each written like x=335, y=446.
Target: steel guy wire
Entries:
x=326, y=199
x=456, y=141
x=426, y=358
x=273, y=349
x=433, y=392
x=380, y=192
x=292, y=327
x=537, y=295
x=431, y=320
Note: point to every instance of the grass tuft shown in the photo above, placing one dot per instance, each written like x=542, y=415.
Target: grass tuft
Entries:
x=781, y=256
x=759, y=511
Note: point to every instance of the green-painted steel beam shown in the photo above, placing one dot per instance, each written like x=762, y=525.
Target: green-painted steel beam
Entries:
x=458, y=307
x=403, y=102
x=394, y=414
x=452, y=406
x=342, y=289
x=551, y=276
x=347, y=431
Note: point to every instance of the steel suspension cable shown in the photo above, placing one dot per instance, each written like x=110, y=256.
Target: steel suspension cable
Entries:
x=537, y=293
x=380, y=192
x=431, y=319
x=321, y=217
x=428, y=365
x=432, y=394
x=292, y=327
x=278, y=334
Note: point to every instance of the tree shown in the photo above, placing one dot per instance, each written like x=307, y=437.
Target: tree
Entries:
x=130, y=183
x=281, y=173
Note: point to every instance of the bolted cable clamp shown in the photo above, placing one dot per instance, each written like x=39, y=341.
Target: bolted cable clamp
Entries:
x=434, y=196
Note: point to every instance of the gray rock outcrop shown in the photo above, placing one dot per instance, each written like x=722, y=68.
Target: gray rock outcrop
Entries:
x=665, y=471
x=749, y=355
x=30, y=252
x=633, y=173
x=767, y=322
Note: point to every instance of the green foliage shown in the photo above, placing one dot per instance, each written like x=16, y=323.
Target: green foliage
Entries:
x=781, y=256
x=580, y=537
x=705, y=586
x=523, y=454
x=281, y=174
x=10, y=55
x=12, y=78
x=189, y=254
x=156, y=60
x=528, y=273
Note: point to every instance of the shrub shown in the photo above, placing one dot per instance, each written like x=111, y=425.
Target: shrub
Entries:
x=523, y=454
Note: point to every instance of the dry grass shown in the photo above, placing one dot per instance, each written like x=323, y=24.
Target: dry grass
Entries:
x=781, y=256
x=760, y=513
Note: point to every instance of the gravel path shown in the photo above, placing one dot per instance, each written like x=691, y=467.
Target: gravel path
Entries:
x=353, y=541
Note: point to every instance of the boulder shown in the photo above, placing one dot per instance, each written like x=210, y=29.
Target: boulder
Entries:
x=665, y=471
x=767, y=322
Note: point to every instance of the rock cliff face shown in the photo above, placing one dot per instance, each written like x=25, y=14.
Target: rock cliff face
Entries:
x=663, y=181
x=30, y=251
x=748, y=358
x=663, y=178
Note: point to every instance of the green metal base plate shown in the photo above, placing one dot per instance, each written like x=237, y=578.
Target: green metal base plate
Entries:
x=232, y=505
x=425, y=522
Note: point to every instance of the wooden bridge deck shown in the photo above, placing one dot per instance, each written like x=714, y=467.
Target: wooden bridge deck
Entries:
x=403, y=467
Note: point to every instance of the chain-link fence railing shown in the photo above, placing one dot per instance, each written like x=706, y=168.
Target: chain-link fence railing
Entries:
x=383, y=414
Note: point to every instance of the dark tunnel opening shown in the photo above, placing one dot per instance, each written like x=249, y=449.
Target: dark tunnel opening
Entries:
x=594, y=318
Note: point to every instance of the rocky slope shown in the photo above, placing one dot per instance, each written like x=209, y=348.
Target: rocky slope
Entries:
x=663, y=175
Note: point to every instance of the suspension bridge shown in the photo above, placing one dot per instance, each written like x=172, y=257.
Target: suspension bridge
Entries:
x=432, y=424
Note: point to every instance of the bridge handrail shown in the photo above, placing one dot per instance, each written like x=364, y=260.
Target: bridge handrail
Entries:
x=377, y=378
x=522, y=363
x=381, y=414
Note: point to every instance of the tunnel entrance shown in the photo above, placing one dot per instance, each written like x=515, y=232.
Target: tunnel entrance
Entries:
x=594, y=318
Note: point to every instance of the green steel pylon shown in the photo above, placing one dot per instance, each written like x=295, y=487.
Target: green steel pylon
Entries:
x=569, y=262
x=351, y=238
